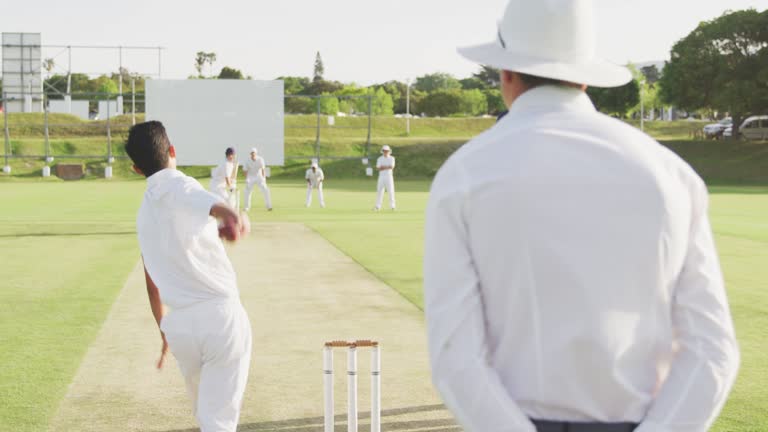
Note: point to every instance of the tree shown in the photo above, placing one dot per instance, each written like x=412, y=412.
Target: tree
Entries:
x=295, y=85
x=105, y=84
x=381, y=103
x=722, y=65
x=210, y=58
x=616, y=101
x=323, y=86
x=651, y=74
x=437, y=81
x=319, y=71
x=48, y=65
x=200, y=60
x=442, y=103
x=473, y=103
x=230, y=73
x=473, y=83
x=398, y=91
x=496, y=103
x=490, y=76
x=329, y=104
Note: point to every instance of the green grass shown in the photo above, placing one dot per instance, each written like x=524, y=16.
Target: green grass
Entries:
x=68, y=247
x=65, y=251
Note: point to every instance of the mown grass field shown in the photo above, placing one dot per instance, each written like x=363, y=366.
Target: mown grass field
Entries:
x=67, y=247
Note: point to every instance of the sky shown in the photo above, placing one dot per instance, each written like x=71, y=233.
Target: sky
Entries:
x=361, y=41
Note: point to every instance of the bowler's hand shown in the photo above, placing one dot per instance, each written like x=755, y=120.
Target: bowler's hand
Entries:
x=163, y=353
x=231, y=226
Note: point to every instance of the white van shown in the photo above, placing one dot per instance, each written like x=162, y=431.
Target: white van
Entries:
x=755, y=128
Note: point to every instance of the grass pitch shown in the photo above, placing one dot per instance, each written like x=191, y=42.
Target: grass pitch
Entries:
x=67, y=249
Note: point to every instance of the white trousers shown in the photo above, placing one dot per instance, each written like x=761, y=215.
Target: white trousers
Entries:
x=264, y=191
x=319, y=194
x=388, y=184
x=212, y=345
x=229, y=197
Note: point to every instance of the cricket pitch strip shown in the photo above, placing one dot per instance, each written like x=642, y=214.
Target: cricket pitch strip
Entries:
x=299, y=291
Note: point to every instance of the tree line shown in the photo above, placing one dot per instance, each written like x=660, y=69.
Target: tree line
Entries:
x=720, y=67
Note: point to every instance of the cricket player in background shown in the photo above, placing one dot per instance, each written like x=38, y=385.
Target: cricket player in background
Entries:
x=224, y=178
x=255, y=175
x=315, y=177
x=385, y=164
x=187, y=270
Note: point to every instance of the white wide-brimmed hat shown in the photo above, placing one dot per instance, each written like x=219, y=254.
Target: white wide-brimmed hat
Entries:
x=386, y=148
x=550, y=39
x=254, y=150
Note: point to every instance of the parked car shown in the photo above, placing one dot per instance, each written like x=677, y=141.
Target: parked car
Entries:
x=715, y=130
x=755, y=128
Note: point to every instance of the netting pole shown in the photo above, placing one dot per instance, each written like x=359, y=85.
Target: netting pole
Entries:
x=317, y=138
x=7, y=146
x=47, y=134
x=370, y=125
x=109, y=132
x=133, y=101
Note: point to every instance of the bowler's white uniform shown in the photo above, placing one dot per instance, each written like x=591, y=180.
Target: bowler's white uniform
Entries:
x=219, y=181
x=315, y=181
x=207, y=329
x=570, y=274
x=386, y=180
x=255, y=177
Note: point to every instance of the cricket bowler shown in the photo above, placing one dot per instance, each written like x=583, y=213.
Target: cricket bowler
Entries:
x=191, y=283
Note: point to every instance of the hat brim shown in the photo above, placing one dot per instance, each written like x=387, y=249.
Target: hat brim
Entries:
x=596, y=73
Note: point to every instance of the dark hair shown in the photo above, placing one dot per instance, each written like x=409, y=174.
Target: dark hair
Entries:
x=148, y=146
x=230, y=151
x=535, y=81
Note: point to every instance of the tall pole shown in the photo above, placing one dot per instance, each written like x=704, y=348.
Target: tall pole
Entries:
x=370, y=125
x=120, y=70
x=408, y=107
x=317, y=136
x=159, y=62
x=642, y=106
x=47, y=133
x=109, y=134
x=7, y=147
x=133, y=101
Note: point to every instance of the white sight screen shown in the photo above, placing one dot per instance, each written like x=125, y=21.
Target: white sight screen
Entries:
x=204, y=117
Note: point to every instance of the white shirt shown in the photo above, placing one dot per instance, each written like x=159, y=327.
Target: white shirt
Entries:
x=253, y=169
x=180, y=243
x=314, y=177
x=388, y=161
x=567, y=255
x=221, y=173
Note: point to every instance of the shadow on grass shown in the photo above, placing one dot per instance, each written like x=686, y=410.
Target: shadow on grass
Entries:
x=315, y=424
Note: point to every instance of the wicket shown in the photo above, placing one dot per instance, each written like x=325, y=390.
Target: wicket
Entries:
x=352, y=384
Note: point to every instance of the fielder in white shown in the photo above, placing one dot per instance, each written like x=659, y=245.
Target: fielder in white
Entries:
x=191, y=284
x=255, y=175
x=224, y=178
x=315, y=177
x=385, y=164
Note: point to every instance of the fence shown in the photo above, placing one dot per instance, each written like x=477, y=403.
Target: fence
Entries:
x=311, y=131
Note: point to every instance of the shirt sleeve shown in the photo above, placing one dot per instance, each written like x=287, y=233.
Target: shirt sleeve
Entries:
x=306, y=175
x=320, y=174
x=458, y=344
x=705, y=367
x=195, y=202
x=393, y=161
x=378, y=163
